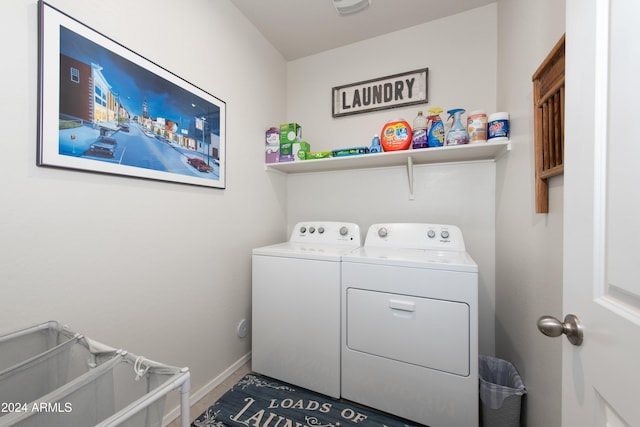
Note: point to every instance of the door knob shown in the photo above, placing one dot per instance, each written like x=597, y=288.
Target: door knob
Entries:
x=571, y=327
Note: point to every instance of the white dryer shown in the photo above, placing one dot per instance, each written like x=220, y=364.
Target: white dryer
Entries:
x=410, y=324
x=296, y=305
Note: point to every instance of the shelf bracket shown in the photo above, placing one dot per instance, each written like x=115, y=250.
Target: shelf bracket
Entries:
x=410, y=177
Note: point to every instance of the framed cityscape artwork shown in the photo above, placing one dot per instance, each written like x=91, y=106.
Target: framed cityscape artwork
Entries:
x=104, y=108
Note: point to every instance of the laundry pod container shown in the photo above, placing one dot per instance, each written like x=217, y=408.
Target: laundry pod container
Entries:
x=501, y=391
x=396, y=135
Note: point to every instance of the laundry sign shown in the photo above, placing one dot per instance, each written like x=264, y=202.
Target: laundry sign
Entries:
x=382, y=93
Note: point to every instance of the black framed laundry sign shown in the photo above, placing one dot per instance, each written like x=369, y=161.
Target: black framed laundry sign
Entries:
x=397, y=90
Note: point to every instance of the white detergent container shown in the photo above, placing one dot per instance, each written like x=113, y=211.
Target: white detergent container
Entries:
x=296, y=305
x=410, y=324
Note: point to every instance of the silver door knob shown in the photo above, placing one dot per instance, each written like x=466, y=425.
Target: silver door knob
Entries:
x=571, y=327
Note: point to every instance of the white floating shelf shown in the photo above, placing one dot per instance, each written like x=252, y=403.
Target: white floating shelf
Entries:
x=460, y=153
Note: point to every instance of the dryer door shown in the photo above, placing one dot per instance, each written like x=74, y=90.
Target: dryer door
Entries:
x=426, y=332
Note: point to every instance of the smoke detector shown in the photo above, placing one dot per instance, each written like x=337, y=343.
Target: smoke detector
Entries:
x=348, y=7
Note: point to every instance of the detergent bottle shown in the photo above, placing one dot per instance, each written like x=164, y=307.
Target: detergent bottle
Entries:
x=375, y=144
x=458, y=134
x=435, y=136
x=419, y=131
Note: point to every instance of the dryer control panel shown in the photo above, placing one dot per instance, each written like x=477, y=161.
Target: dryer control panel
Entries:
x=326, y=232
x=415, y=236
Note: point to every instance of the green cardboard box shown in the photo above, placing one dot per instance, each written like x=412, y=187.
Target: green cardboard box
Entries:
x=318, y=155
x=289, y=133
x=300, y=150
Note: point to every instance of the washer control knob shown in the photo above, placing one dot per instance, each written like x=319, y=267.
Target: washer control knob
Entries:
x=344, y=230
x=431, y=234
x=444, y=234
x=312, y=230
x=383, y=232
x=321, y=230
x=303, y=229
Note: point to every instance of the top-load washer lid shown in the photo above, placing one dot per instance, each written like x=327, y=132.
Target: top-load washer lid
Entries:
x=326, y=240
x=418, y=245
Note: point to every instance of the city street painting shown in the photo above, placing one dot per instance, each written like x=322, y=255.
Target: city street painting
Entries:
x=104, y=108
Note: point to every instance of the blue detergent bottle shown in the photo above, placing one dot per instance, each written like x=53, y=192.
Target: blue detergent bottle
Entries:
x=375, y=144
x=435, y=136
x=458, y=134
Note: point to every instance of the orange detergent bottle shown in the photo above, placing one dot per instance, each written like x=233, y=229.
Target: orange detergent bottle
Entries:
x=396, y=135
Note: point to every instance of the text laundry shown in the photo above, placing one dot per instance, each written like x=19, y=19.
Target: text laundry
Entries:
x=381, y=93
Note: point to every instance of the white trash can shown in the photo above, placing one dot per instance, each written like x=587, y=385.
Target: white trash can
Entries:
x=501, y=391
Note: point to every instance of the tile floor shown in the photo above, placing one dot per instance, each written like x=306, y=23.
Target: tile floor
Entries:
x=209, y=399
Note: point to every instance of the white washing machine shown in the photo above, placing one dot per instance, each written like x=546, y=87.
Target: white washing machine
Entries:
x=410, y=324
x=296, y=305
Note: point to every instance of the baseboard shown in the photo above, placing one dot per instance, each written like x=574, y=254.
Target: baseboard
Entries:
x=202, y=392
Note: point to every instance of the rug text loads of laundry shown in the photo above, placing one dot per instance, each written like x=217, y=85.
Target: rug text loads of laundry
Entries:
x=268, y=418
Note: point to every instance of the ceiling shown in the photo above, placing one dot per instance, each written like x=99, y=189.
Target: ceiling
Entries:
x=299, y=28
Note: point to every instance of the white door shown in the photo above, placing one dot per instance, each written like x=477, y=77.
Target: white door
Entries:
x=602, y=213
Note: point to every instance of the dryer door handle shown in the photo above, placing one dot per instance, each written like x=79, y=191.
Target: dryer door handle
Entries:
x=397, y=304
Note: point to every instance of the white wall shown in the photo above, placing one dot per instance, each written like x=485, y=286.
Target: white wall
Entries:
x=462, y=73
x=528, y=245
x=159, y=269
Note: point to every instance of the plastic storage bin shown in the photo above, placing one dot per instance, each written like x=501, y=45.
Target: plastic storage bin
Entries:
x=501, y=391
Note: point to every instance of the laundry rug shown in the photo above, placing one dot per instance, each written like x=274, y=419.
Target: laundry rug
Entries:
x=258, y=401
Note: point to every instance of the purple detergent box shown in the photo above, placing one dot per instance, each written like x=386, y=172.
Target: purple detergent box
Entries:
x=272, y=147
